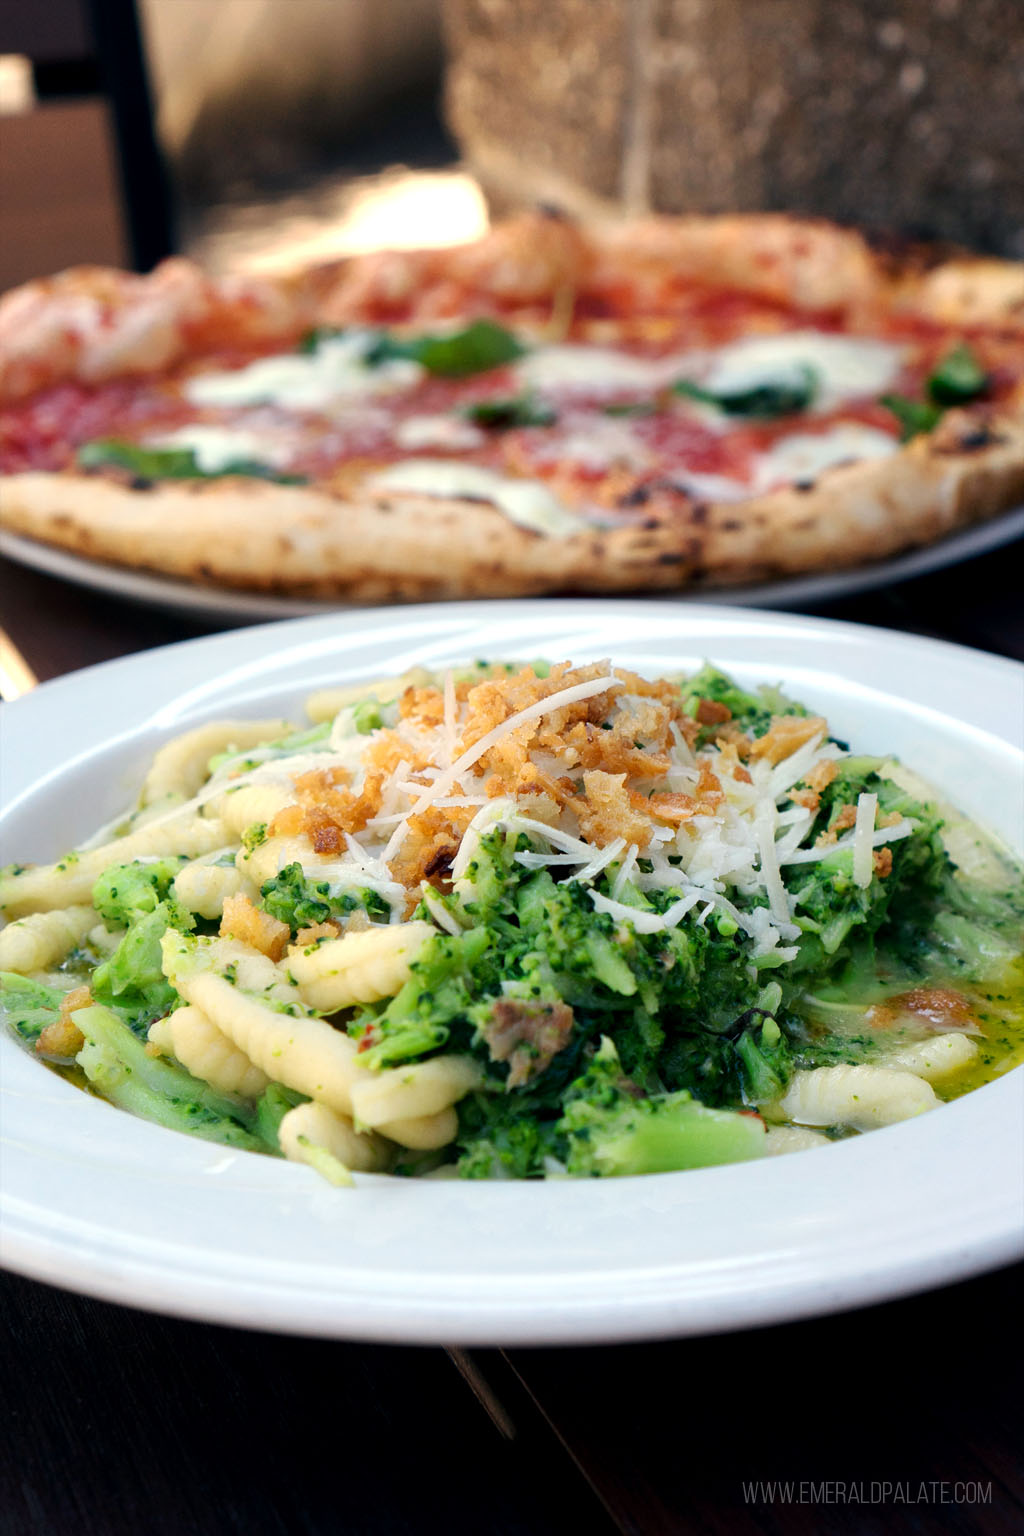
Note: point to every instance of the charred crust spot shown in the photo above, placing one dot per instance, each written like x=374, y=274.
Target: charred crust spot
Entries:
x=639, y=496
x=977, y=437
x=959, y=437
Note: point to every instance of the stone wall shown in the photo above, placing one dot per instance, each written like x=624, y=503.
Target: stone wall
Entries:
x=906, y=115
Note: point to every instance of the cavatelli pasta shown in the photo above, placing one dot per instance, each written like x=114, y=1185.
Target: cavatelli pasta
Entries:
x=856, y=1096
x=791, y=1138
x=423, y=1133
x=43, y=938
x=252, y=804
x=358, y=967
x=410, y=1093
x=326, y=702
x=206, y=1052
x=102, y=939
x=311, y=1126
x=42, y=887
x=936, y=1058
x=295, y=1049
x=268, y=858
x=181, y=766
x=203, y=888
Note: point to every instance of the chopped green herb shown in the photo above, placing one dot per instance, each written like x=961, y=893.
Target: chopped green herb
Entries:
x=171, y=463
x=479, y=347
x=510, y=411
x=914, y=416
x=764, y=401
x=958, y=379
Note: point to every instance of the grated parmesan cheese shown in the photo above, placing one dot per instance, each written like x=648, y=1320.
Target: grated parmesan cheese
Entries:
x=863, y=829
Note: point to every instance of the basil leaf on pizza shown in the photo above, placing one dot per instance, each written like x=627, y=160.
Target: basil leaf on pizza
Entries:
x=507, y=411
x=155, y=463
x=476, y=349
x=765, y=401
x=914, y=416
x=958, y=379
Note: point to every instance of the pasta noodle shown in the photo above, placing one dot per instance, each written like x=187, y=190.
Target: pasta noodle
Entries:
x=204, y=888
x=314, y=1125
x=860, y=1097
x=326, y=702
x=42, y=938
x=359, y=967
x=423, y=1133
x=207, y=1052
x=181, y=766
x=934, y=1059
x=410, y=1093
x=251, y=804
x=42, y=887
x=263, y=862
x=301, y=1052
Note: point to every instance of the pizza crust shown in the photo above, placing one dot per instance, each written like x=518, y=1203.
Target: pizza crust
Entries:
x=261, y=536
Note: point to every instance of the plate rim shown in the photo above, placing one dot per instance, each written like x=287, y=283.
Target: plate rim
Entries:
x=117, y=1280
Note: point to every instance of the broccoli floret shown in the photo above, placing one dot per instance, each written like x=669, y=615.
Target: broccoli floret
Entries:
x=610, y=1132
x=438, y=995
x=366, y=716
x=751, y=711
x=836, y=915
x=125, y=892
x=302, y=903
x=27, y=1006
x=765, y=1059
x=132, y=979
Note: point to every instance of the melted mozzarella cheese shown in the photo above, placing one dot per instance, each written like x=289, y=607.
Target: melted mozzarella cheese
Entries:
x=594, y=370
x=708, y=487
x=801, y=458
x=525, y=502
x=596, y=442
x=214, y=448
x=437, y=432
x=845, y=367
x=307, y=381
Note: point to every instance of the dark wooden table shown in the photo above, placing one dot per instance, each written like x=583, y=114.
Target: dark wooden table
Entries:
x=897, y=1418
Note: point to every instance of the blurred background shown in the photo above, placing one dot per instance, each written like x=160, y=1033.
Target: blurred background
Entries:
x=264, y=133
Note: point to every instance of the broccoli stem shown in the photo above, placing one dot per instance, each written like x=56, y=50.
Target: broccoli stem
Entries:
x=118, y=1066
x=672, y=1136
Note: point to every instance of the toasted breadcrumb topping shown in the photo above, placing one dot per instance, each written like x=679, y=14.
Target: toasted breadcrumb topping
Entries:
x=597, y=765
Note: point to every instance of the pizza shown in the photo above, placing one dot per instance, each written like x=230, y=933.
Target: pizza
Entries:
x=658, y=405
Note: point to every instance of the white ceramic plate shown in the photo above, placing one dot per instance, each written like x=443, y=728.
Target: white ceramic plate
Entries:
x=103, y=1203
x=231, y=607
